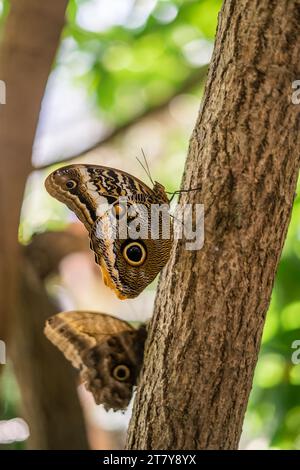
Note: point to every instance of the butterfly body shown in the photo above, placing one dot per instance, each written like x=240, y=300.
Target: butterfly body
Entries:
x=96, y=194
x=107, y=351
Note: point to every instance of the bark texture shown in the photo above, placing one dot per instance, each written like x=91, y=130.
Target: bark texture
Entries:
x=211, y=304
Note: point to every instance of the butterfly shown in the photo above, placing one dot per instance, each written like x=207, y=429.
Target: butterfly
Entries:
x=107, y=351
x=103, y=198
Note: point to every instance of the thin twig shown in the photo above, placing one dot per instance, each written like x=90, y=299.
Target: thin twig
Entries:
x=195, y=79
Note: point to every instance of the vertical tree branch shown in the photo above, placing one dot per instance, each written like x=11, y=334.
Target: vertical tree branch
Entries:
x=27, y=50
x=47, y=381
x=211, y=304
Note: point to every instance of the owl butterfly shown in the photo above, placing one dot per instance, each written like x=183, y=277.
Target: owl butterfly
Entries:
x=107, y=351
x=94, y=193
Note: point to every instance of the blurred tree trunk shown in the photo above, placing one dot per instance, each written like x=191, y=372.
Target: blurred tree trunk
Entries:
x=48, y=382
x=27, y=50
x=29, y=42
x=211, y=304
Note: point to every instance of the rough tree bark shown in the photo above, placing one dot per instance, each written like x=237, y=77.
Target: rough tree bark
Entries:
x=211, y=304
x=28, y=46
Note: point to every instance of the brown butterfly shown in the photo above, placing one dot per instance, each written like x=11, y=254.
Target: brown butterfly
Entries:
x=107, y=351
x=128, y=262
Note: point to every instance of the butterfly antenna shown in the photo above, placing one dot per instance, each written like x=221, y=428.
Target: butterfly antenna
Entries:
x=146, y=163
x=145, y=168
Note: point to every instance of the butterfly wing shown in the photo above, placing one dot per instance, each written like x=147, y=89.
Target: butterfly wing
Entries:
x=91, y=191
x=108, y=352
x=129, y=264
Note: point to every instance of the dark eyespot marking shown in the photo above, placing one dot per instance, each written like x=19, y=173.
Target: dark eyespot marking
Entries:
x=134, y=253
x=71, y=184
x=121, y=373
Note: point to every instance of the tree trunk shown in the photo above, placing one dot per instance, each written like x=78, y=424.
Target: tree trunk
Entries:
x=28, y=46
x=27, y=50
x=211, y=304
x=50, y=403
x=47, y=381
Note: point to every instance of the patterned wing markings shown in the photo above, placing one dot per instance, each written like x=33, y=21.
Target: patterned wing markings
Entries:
x=89, y=190
x=107, y=351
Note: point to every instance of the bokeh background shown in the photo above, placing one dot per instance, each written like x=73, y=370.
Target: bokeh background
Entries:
x=129, y=75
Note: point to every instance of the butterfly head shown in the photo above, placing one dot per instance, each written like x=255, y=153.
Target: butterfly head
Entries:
x=160, y=192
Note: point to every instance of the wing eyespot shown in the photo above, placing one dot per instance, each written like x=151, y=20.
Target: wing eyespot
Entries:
x=134, y=253
x=121, y=373
x=71, y=184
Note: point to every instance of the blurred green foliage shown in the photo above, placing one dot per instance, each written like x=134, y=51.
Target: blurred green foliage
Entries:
x=4, y=9
x=130, y=67
x=9, y=400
